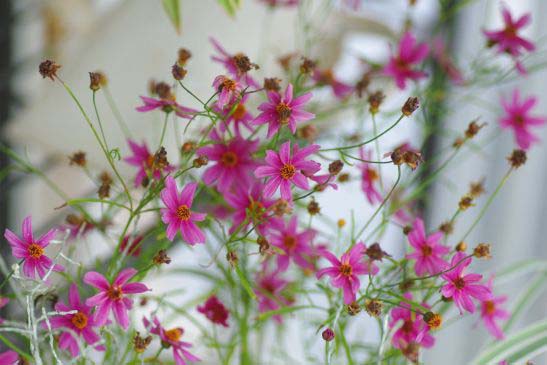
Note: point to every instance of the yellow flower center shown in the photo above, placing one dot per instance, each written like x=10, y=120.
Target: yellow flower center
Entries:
x=287, y=171
x=79, y=320
x=35, y=251
x=174, y=334
x=183, y=212
x=283, y=112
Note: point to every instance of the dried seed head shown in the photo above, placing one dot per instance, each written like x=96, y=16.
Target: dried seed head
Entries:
x=328, y=334
x=49, y=69
x=161, y=258
x=461, y=247
x=200, y=161
x=458, y=142
x=411, y=105
x=272, y=84
x=140, y=344
x=263, y=245
x=341, y=223
x=335, y=167
x=281, y=207
x=375, y=100
x=307, y=66
x=231, y=257
x=96, y=80
x=466, y=202
x=362, y=85
x=353, y=308
x=343, y=177
x=447, y=228
x=243, y=63
x=313, y=207
x=517, y=158
x=183, y=56
x=412, y=159
x=473, y=128
x=482, y=251
x=188, y=147
x=160, y=159
x=163, y=90
x=78, y=158
x=285, y=61
x=433, y=320
x=476, y=189
x=104, y=191
x=178, y=72
x=373, y=307
x=375, y=252
x=308, y=132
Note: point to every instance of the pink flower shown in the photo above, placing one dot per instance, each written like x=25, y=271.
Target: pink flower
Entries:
x=369, y=178
x=413, y=330
x=251, y=207
x=233, y=64
x=326, y=77
x=229, y=90
x=400, y=66
x=236, y=117
x=134, y=248
x=113, y=297
x=32, y=251
x=345, y=272
x=279, y=111
x=166, y=105
x=269, y=292
x=441, y=55
x=144, y=160
x=81, y=323
x=295, y=245
x=231, y=163
x=462, y=287
x=215, y=311
x=177, y=214
x=172, y=338
x=517, y=116
x=428, y=252
x=491, y=311
x=507, y=39
x=9, y=358
x=284, y=169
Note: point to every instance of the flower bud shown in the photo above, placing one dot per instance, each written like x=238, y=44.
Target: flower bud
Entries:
x=517, y=158
x=375, y=100
x=482, y=251
x=412, y=103
x=49, y=69
x=314, y=208
x=433, y=320
x=353, y=308
x=78, y=158
x=335, y=167
x=373, y=307
x=183, y=56
x=178, y=72
x=461, y=247
x=328, y=334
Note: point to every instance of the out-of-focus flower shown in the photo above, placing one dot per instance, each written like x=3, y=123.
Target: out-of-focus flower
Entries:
x=215, y=311
x=228, y=89
x=134, y=248
x=326, y=77
x=269, y=292
x=145, y=162
x=167, y=105
x=428, y=251
x=295, y=245
x=413, y=328
x=235, y=115
x=491, y=311
x=9, y=358
x=237, y=65
x=369, y=178
x=401, y=66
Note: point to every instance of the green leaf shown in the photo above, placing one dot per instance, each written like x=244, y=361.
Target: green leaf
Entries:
x=231, y=6
x=172, y=8
x=526, y=299
x=520, y=268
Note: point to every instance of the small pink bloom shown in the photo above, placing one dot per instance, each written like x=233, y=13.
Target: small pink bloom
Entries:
x=113, y=297
x=462, y=287
x=235, y=117
x=345, y=272
x=177, y=214
x=413, y=328
x=167, y=106
x=507, y=39
x=491, y=311
x=402, y=65
x=229, y=62
x=81, y=323
x=285, y=170
x=283, y=110
x=370, y=177
x=144, y=161
x=135, y=246
x=229, y=163
x=269, y=292
x=428, y=252
x=295, y=245
x=517, y=117
x=9, y=358
x=215, y=311
x=32, y=250
x=326, y=77
x=172, y=338
x=228, y=89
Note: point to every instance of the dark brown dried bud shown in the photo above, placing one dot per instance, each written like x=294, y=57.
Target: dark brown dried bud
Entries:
x=362, y=85
x=375, y=252
x=343, y=177
x=105, y=178
x=375, y=100
x=411, y=105
x=397, y=157
x=78, y=158
x=458, y=142
x=140, y=344
x=433, y=320
x=143, y=302
x=353, y=308
x=160, y=159
x=163, y=90
x=308, y=132
x=49, y=69
x=183, y=56
x=328, y=334
x=263, y=245
x=476, y=189
x=473, y=128
x=307, y=66
x=104, y=191
x=407, y=229
x=272, y=84
x=461, y=247
x=188, y=147
x=96, y=80
x=161, y=258
x=412, y=159
x=482, y=251
x=313, y=207
x=231, y=257
x=243, y=63
x=178, y=72
x=200, y=161
x=335, y=167
x=517, y=158
x=373, y=307
x=281, y=207
x=466, y=202
x=447, y=228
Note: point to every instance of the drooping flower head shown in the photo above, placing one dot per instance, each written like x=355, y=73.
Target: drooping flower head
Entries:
x=462, y=287
x=171, y=338
x=113, y=296
x=370, y=177
x=402, y=65
x=345, y=272
x=31, y=250
x=283, y=110
x=228, y=90
x=491, y=312
x=326, y=77
x=146, y=163
x=412, y=329
x=295, y=245
x=9, y=358
x=230, y=163
x=517, y=117
x=215, y=311
x=237, y=65
x=428, y=252
x=81, y=323
x=270, y=292
x=177, y=214
x=285, y=169
x=166, y=105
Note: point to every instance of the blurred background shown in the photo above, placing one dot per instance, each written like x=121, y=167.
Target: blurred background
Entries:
x=133, y=42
